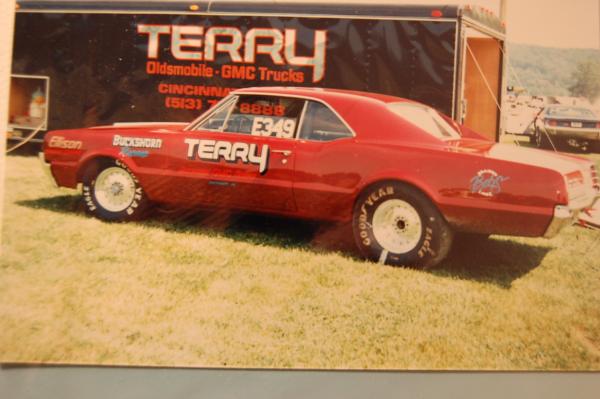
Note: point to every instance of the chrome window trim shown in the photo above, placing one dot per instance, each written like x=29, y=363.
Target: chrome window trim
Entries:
x=305, y=97
x=337, y=116
x=236, y=95
x=192, y=126
x=301, y=121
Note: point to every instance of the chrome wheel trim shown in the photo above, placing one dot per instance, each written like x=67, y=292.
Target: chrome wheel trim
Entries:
x=397, y=226
x=114, y=189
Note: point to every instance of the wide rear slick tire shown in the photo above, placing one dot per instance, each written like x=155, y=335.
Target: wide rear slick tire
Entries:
x=111, y=192
x=396, y=224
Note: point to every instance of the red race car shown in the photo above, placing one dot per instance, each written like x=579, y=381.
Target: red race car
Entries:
x=407, y=177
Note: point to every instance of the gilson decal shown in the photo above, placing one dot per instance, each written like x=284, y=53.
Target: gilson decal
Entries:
x=61, y=142
x=213, y=150
x=194, y=43
x=487, y=182
x=137, y=142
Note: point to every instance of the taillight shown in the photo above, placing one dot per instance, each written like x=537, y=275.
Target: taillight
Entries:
x=574, y=179
x=551, y=122
x=597, y=125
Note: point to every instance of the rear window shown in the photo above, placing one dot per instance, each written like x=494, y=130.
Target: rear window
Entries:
x=426, y=118
x=322, y=124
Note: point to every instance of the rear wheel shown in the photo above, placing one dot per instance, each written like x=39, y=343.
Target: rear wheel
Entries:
x=396, y=224
x=112, y=192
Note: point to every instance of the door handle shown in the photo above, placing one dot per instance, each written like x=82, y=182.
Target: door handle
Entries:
x=284, y=152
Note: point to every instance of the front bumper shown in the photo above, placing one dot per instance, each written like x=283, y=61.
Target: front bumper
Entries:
x=46, y=168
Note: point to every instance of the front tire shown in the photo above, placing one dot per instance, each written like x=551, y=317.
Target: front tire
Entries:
x=111, y=192
x=396, y=224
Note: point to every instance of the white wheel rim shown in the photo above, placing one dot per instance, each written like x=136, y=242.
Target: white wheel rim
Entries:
x=114, y=189
x=397, y=226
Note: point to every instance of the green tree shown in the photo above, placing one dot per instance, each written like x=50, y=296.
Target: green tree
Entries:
x=587, y=80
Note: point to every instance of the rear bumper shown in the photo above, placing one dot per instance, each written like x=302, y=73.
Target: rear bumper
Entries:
x=575, y=133
x=567, y=215
x=563, y=216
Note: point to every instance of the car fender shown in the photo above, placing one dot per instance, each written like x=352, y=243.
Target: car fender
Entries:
x=398, y=176
x=92, y=155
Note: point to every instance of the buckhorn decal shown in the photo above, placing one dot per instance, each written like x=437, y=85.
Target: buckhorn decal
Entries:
x=137, y=142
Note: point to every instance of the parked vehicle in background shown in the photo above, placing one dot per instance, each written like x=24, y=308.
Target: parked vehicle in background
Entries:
x=574, y=126
x=404, y=175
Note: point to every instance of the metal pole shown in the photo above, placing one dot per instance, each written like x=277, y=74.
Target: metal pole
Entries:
x=7, y=14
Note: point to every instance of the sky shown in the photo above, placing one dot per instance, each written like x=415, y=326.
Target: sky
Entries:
x=552, y=23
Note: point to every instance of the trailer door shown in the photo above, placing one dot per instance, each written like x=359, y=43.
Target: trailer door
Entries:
x=481, y=82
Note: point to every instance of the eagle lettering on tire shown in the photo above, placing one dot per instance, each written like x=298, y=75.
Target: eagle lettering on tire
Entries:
x=112, y=192
x=396, y=224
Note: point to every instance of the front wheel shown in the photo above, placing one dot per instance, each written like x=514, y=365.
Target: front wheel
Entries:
x=112, y=192
x=396, y=224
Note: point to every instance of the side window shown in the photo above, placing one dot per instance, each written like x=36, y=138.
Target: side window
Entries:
x=216, y=120
x=265, y=116
x=321, y=124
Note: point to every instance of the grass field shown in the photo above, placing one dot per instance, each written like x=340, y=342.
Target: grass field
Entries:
x=248, y=291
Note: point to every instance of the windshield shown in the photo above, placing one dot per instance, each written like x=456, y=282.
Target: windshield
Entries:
x=570, y=112
x=426, y=118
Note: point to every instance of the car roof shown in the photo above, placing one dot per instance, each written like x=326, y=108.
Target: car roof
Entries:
x=323, y=94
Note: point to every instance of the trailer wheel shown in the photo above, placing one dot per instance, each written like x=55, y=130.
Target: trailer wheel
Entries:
x=396, y=224
x=111, y=192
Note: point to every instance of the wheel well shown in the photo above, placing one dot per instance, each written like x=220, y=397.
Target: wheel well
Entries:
x=395, y=181
x=91, y=167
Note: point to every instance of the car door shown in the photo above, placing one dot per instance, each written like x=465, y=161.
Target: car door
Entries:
x=189, y=180
x=245, y=160
x=327, y=164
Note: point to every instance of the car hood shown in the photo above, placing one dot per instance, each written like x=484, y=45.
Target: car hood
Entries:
x=560, y=163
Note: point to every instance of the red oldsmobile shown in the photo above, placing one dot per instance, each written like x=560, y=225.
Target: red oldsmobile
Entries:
x=407, y=177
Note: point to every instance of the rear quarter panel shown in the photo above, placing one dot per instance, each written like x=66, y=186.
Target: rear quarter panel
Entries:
x=521, y=204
